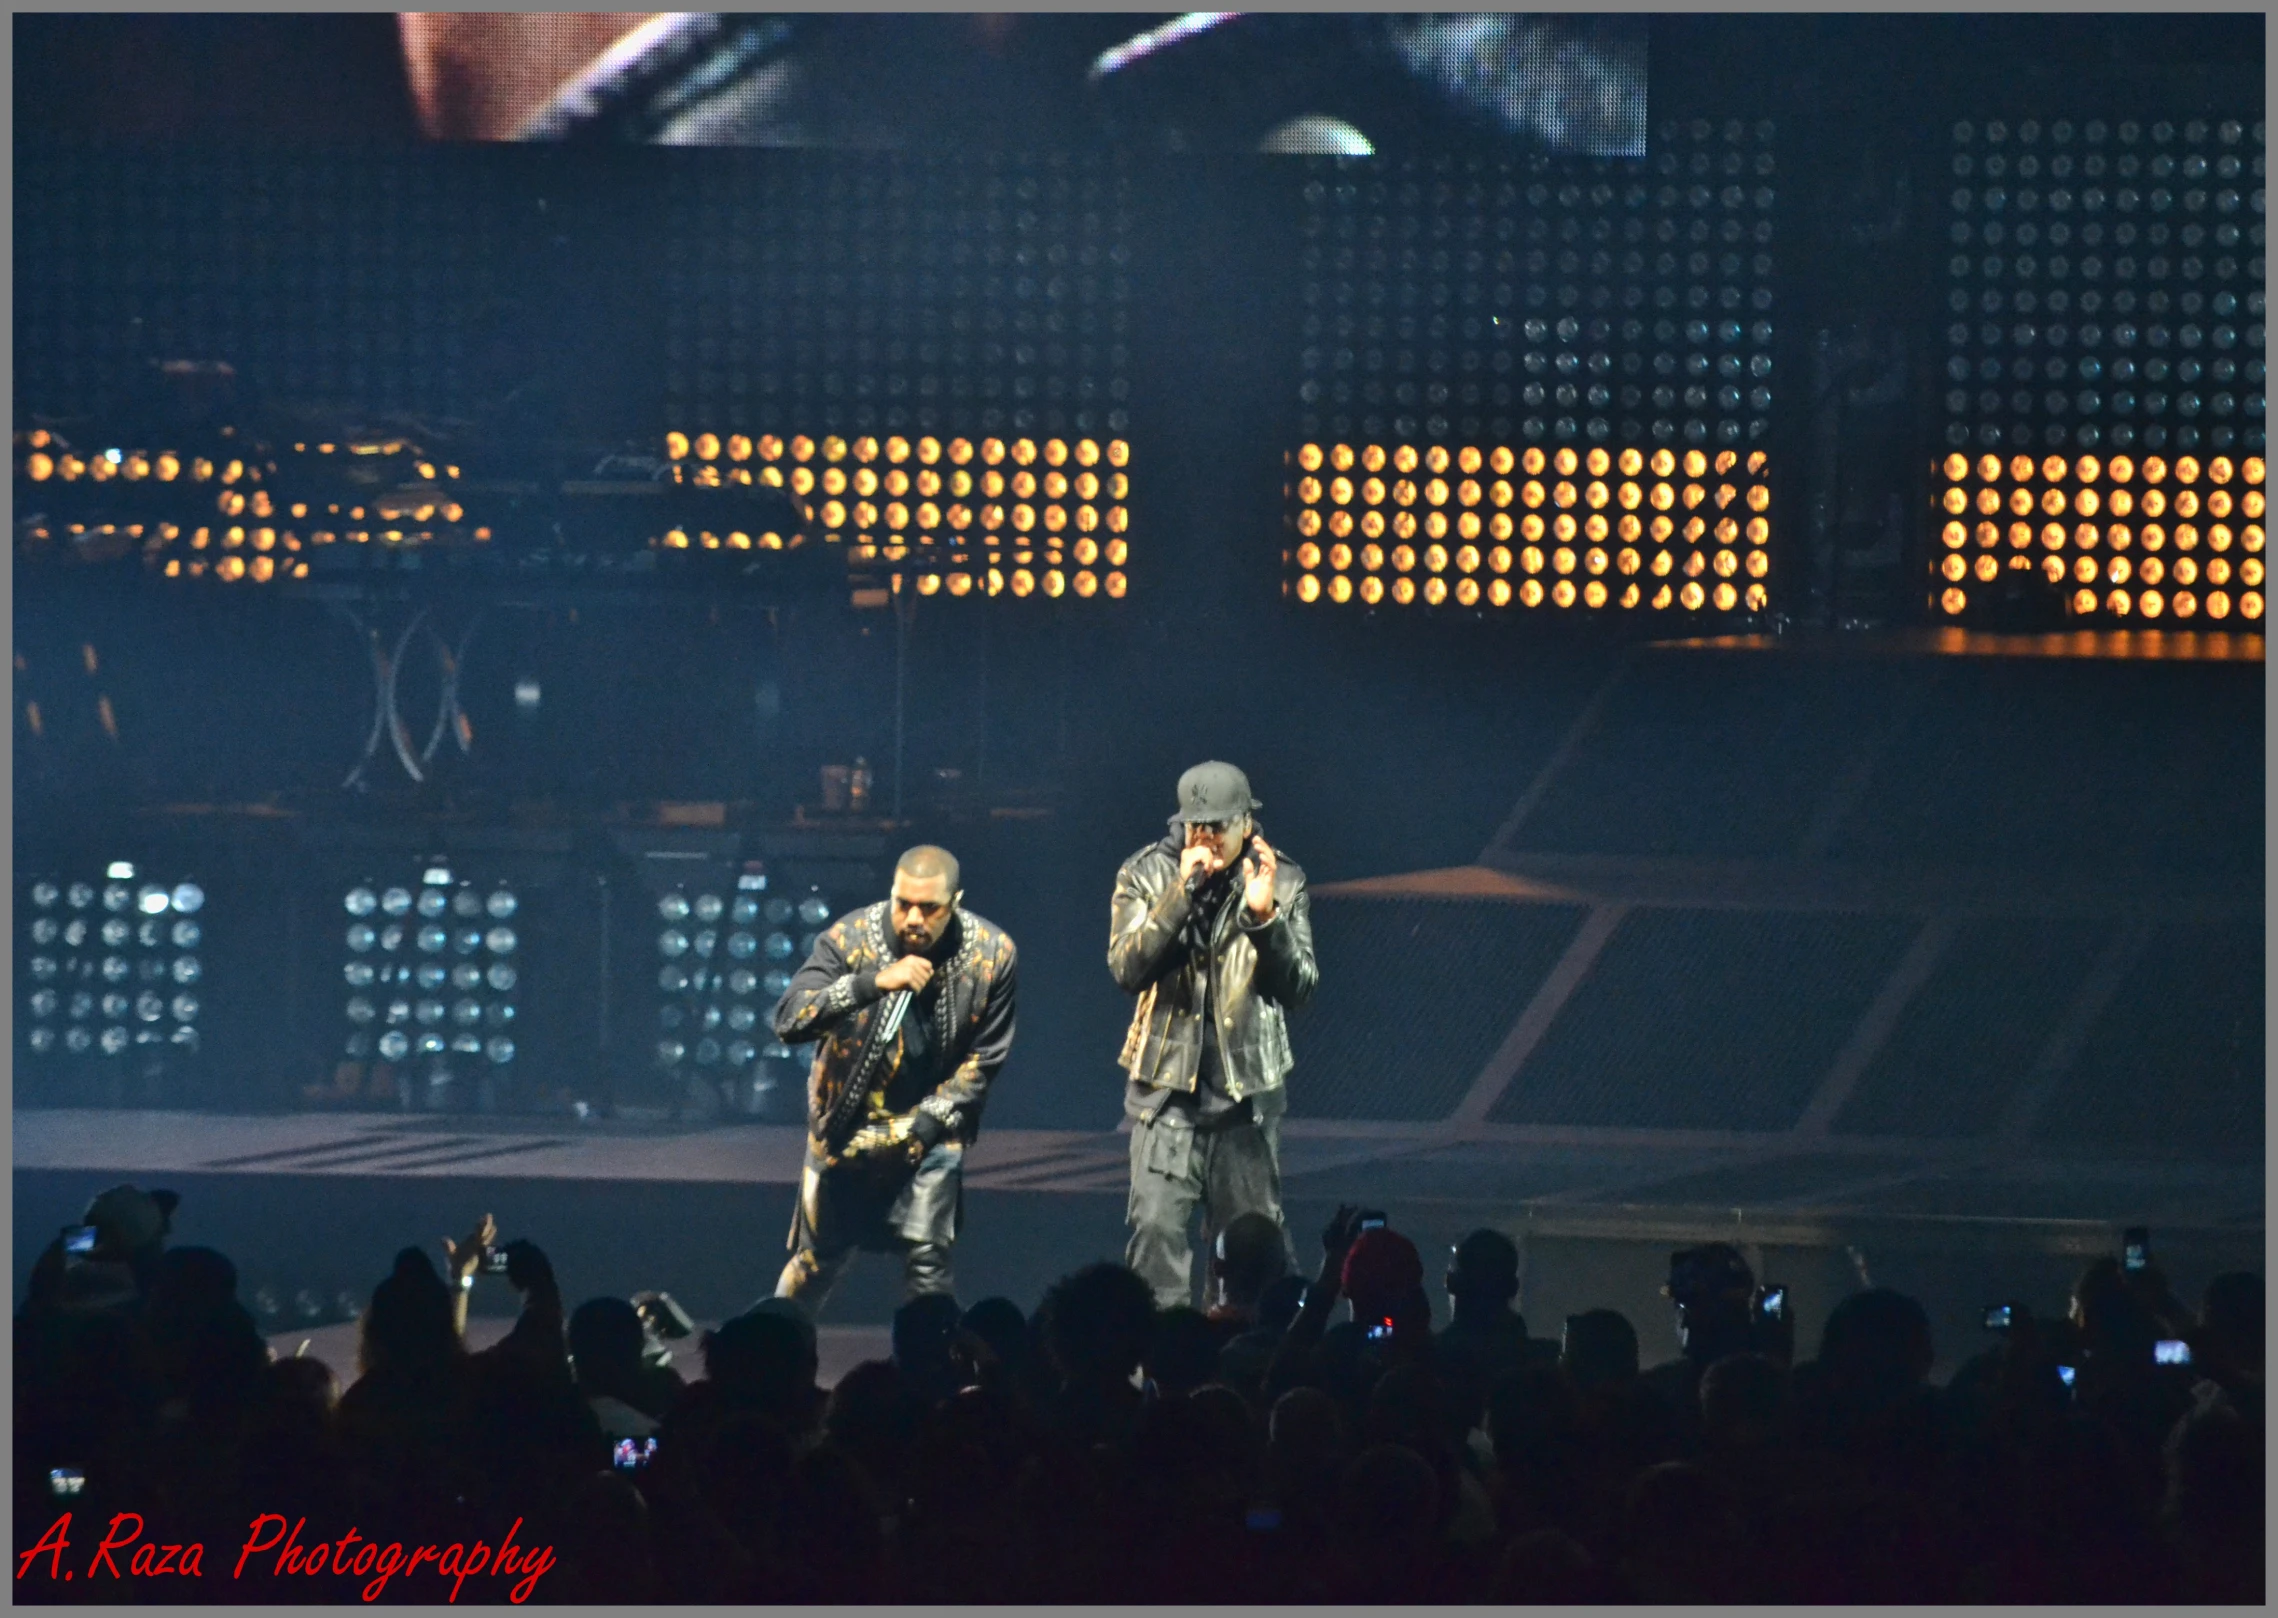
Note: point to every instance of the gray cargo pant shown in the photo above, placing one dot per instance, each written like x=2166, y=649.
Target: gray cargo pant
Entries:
x=1230, y=1171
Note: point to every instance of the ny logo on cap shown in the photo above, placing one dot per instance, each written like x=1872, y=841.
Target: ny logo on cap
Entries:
x=1214, y=792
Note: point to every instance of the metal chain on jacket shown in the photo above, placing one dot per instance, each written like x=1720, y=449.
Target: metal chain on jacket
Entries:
x=846, y=1112
x=838, y=1128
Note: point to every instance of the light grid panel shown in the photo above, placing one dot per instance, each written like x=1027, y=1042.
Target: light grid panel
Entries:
x=110, y=968
x=432, y=973
x=2120, y=538
x=725, y=959
x=1024, y=517
x=909, y=294
x=100, y=502
x=2105, y=406
x=1565, y=528
x=231, y=508
x=1550, y=348
x=369, y=277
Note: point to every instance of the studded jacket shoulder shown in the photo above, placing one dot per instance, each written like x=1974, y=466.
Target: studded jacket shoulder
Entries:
x=834, y=996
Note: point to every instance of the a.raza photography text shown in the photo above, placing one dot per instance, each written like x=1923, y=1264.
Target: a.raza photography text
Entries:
x=1198, y=807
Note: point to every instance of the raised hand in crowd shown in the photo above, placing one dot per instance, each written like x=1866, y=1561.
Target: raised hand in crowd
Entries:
x=462, y=1259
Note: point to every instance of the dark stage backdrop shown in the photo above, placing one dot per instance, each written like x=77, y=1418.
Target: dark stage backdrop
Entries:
x=1501, y=319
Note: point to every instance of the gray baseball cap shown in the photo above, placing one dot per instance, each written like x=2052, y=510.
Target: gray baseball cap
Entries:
x=1214, y=792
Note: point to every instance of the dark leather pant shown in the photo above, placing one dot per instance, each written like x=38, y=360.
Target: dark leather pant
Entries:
x=811, y=1274
x=840, y=1213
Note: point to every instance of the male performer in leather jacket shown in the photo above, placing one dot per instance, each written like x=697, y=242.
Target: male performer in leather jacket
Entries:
x=911, y=1000
x=1212, y=930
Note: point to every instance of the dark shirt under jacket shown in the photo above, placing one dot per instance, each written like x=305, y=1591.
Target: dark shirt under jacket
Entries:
x=1208, y=1106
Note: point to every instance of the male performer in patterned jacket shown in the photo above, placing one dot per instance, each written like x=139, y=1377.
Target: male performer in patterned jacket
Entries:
x=911, y=1000
x=1212, y=930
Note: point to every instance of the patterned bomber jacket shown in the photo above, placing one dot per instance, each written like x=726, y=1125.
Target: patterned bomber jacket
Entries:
x=834, y=996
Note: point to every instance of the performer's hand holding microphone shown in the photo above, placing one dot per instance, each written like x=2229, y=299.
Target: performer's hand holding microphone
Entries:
x=1199, y=862
x=910, y=1136
x=908, y=972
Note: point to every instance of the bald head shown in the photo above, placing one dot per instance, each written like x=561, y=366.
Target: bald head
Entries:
x=924, y=900
x=926, y=861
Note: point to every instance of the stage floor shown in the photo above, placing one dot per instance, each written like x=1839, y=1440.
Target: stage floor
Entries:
x=1568, y=1178
x=325, y=1200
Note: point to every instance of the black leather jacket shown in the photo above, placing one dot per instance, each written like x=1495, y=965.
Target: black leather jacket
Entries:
x=1255, y=974
x=834, y=996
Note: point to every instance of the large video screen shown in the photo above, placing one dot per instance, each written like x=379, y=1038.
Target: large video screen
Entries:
x=1207, y=82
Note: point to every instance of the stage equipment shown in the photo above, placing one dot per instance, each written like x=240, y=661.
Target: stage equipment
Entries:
x=955, y=516
x=109, y=971
x=330, y=509
x=1540, y=383
x=2117, y=538
x=433, y=973
x=2105, y=377
x=1494, y=528
x=711, y=926
x=724, y=959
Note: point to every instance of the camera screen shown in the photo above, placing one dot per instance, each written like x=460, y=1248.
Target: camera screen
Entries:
x=65, y=1480
x=1998, y=1318
x=2171, y=1351
x=2065, y=1374
x=79, y=1239
x=635, y=1452
x=1775, y=1301
x=494, y=1261
x=1381, y=1330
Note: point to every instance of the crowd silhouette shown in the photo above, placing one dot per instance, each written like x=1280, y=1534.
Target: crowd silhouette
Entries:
x=1303, y=1439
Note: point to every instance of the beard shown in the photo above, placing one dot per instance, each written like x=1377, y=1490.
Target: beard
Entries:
x=908, y=943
